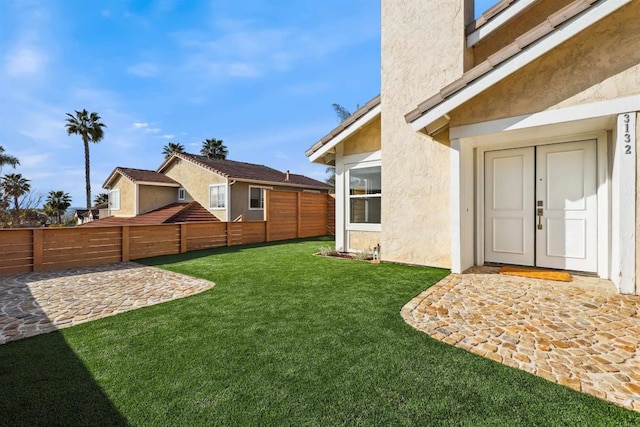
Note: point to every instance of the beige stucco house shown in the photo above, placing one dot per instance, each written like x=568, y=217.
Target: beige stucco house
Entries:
x=227, y=189
x=510, y=139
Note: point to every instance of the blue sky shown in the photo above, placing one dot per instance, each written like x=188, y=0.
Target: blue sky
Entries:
x=260, y=75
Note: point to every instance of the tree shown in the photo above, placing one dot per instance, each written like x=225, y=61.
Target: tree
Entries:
x=14, y=185
x=6, y=159
x=214, y=149
x=342, y=113
x=101, y=198
x=89, y=127
x=59, y=202
x=172, y=147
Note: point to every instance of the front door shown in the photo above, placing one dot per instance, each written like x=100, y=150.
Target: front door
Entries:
x=541, y=206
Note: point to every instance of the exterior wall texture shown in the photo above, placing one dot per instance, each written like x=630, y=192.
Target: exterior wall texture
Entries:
x=637, y=202
x=363, y=240
x=366, y=140
x=420, y=55
x=602, y=62
x=196, y=180
x=153, y=197
x=127, y=197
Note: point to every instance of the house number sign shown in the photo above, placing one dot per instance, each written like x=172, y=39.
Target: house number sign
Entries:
x=628, y=132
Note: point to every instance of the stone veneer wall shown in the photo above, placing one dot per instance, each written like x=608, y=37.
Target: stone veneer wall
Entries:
x=420, y=55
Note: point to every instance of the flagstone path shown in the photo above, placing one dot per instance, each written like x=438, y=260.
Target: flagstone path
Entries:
x=36, y=303
x=579, y=334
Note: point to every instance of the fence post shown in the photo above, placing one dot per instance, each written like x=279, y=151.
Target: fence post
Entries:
x=228, y=234
x=267, y=226
x=125, y=243
x=299, y=215
x=183, y=238
x=38, y=249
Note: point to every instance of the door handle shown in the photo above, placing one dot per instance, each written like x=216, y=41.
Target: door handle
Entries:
x=540, y=213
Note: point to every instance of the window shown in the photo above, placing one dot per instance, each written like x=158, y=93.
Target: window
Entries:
x=217, y=196
x=114, y=200
x=256, y=198
x=365, y=195
x=181, y=194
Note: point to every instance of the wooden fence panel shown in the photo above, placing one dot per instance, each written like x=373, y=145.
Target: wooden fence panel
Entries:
x=245, y=233
x=206, y=235
x=313, y=215
x=153, y=240
x=331, y=215
x=16, y=251
x=282, y=216
x=79, y=247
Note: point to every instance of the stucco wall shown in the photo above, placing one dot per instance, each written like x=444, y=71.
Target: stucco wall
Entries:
x=420, y=55
x=127, y=197
x=240, y=203
x=533, y=16
x=363, y=240
x=637, y=202
x=153, y=197
x=602, y=62
x=196, y=181
x=366, y=140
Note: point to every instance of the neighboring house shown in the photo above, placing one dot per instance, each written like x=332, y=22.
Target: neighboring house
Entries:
x=511, y=139
x=83, y=216
x=225, y=189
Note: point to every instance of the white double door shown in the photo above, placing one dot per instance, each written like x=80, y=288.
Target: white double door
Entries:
x=541, y=206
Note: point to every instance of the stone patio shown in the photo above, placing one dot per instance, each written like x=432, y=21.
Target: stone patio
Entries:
x=36, y=303
x=579, y=334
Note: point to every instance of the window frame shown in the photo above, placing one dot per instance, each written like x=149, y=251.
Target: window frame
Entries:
x=112, y=199
x=262, y=196
x=183, y=192
x=219, y=199
x=358, y=226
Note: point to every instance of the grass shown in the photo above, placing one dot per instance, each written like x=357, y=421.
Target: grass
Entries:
x=284, y=338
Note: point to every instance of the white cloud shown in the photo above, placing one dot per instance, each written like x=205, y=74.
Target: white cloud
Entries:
x=24, y=61
x=168, y=136
x=143, y=69
x=140, y=125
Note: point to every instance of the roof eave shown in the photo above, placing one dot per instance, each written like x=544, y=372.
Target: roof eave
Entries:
x=569, y=29
x=318, y=153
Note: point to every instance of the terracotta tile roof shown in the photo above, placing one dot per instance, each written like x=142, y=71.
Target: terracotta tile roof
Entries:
x=344, y=125
x=252, y=172
x=172, y=213
x=140, y=175
x=551, y=24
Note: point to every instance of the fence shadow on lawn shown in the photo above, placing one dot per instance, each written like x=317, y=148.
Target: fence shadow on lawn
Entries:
x=44, y=382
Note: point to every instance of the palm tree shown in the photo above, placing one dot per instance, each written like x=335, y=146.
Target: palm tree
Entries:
x=15, y=185
x=89, y=127
x=6, y=159
x=59, y=201
x=172, y=147
x=214, y=149
x=101, y=198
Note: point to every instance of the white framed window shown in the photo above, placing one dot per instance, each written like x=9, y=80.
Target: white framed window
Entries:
x=256, y=198
x=218, y=196
x=364, y=196
x=114, y=200
x=181, y=194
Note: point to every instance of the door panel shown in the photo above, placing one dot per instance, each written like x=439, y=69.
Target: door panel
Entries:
x=509, y=203
x=566, y=188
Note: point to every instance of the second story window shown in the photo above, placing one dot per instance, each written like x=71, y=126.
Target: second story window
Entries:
x=181, y=194
x=114, y=200
x=217, y=196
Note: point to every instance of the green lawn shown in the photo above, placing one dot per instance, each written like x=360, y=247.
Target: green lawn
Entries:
x=284, y=338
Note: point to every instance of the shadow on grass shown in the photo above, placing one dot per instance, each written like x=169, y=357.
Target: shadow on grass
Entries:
x=42, y=380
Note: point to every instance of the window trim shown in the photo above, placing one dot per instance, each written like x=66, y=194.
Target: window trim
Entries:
x=251, y=187
x=182, y=191
x=112, y=193
x=349, y=226
x=223, y=199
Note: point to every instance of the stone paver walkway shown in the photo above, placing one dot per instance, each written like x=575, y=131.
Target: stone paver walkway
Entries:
x=36, y=303
x=579, y=334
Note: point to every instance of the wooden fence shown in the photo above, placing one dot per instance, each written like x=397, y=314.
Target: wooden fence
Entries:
x=289, y=216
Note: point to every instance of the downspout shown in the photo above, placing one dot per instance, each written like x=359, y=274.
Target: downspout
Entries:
x=228, y=201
